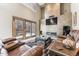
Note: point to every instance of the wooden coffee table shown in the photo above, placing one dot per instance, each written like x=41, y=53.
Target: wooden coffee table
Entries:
x=57, y=47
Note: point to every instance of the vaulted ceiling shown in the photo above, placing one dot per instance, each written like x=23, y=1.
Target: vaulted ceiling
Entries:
x=32, y=6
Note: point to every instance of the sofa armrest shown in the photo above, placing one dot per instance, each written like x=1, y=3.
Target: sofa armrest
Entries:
x=13, y=46
x=77, y=51
x=9, y=40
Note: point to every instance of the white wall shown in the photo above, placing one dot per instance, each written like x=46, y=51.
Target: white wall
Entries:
x=75, y=8
x=8, y=10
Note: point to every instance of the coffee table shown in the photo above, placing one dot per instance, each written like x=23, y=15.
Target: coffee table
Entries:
x=57, y=47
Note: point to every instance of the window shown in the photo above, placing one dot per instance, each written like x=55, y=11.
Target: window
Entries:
x=23, y=28
x=33, y=29
x=19, y=27
x=30, y=29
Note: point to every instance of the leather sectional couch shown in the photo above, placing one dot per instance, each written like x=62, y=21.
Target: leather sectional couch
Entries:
x=15, y=48
x=74, y=34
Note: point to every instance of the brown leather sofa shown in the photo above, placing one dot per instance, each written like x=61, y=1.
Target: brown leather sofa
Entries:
x=11, y=44
x=35, y=51
x=14, y=48
x=74, y=34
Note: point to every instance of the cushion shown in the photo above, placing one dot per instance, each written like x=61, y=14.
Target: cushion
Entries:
x=77, y=37
x=71, y=33
x=77, y=44
x=25, y=47
x=70, y=37
x=35, y=51
x=1, y=43
x=69, y=43
x=3, y=51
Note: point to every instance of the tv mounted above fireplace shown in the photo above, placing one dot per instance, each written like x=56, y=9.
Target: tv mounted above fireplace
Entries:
x=51, y=21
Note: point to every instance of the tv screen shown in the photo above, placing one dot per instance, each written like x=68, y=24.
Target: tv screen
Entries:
x=52, y=21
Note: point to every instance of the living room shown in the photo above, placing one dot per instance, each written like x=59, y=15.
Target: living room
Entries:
x=34, y=29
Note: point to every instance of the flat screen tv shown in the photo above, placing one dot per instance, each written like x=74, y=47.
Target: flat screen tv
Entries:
x=52, y=21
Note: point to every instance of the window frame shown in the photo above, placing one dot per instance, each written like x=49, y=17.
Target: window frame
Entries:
x=14, y=18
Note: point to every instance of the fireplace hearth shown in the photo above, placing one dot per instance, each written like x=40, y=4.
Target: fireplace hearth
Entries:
x=51, y=33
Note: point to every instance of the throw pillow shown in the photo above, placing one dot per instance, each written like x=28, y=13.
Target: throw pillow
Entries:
x=69, y=43
x=3, y=51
